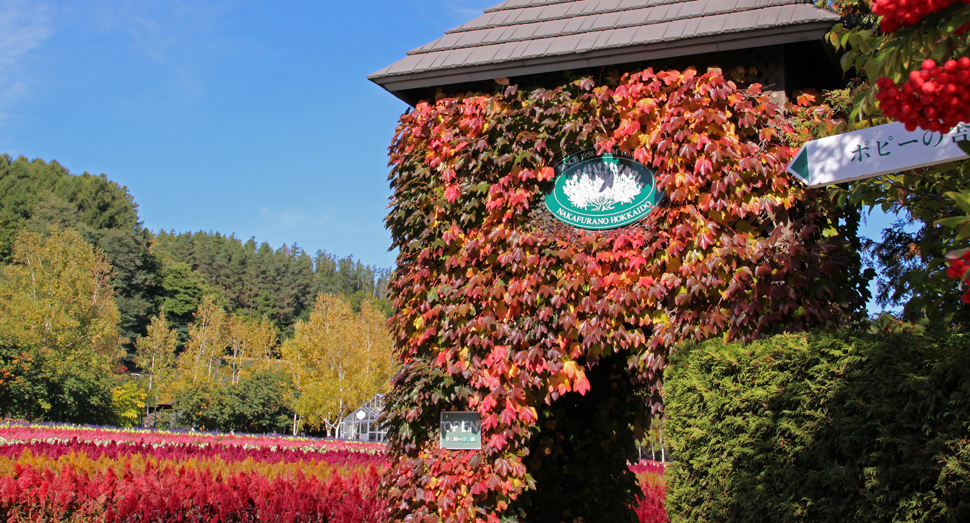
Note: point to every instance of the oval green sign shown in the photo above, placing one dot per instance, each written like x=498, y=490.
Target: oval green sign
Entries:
x=602, y=191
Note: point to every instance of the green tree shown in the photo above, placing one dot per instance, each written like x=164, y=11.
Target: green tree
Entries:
x=280, y=284
x=820, y=426
x=195, y=407
x=135, y=278
x=182, y=294
x=258, y=403
x=58, y=330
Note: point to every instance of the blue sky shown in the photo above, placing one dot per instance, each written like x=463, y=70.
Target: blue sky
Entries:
x=247, y=116
x=238, y=116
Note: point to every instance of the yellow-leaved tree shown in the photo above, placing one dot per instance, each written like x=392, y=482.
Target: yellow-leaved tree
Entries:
x=201, y=377
x=251, y=344
x=59, y=340
x=155, y=355
x=129, y=404
x=338, y=360
x=208, y=338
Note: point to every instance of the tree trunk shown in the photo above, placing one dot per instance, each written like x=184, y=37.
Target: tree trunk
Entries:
x=663, y=457
x=151, y=380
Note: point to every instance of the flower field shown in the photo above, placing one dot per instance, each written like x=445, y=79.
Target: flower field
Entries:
x=71, y=473
x=66, y=473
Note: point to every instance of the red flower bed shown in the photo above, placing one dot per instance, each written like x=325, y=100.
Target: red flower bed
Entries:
x=52, y=473
x=174, y=493
x=137, y=476
x=650, y=506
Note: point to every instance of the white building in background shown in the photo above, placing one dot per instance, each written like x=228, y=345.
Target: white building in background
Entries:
x=362, y=424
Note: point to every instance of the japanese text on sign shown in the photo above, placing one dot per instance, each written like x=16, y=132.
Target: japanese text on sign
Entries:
x=929, y=139
x=884, y=149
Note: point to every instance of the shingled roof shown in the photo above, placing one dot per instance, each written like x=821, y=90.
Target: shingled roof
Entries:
x=518, y=37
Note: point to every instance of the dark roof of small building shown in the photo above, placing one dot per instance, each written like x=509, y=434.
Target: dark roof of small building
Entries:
x=519, y=37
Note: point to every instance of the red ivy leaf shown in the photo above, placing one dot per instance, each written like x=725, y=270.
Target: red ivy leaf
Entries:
x=451, y=193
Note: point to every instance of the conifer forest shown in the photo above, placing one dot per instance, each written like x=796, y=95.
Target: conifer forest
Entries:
x=103, y=320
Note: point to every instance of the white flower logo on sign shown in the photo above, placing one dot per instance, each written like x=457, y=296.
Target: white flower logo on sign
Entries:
x=602, y=186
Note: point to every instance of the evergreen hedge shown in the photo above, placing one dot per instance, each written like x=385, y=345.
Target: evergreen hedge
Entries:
x=822, y=426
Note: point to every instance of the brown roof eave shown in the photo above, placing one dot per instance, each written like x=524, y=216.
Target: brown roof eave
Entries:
x=395, y=84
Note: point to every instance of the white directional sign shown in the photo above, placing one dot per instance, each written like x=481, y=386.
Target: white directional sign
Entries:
x=875, y=151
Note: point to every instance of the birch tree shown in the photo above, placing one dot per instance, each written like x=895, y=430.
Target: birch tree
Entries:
x=338, y=359
x=207, y=344
x=377, y=347
x=58, y=293
x=155, y=355
x=251, y=346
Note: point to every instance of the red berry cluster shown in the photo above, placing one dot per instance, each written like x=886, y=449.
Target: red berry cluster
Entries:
x=960, y=270
x=935, y=98
x=906, y=13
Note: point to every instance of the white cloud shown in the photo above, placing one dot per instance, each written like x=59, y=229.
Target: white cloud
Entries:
x=274, y=222
x=176, y=43
x=24, y=26
x=165, y=30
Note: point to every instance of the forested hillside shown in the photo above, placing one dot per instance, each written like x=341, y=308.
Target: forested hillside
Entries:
x=169, y=270
x=236, y=334
x=36, y=194
x=252, y=278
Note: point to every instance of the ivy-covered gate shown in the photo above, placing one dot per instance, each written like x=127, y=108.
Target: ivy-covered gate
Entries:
x=555, y=334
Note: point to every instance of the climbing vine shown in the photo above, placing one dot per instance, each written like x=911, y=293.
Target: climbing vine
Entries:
x=505, y=310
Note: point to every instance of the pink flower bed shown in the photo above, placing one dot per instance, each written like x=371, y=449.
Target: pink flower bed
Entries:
x=650, y=506
x=27, y=432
